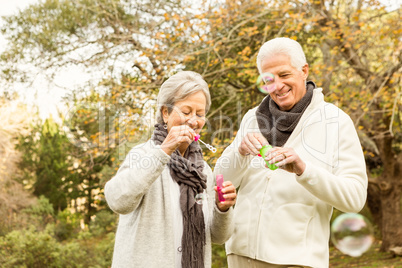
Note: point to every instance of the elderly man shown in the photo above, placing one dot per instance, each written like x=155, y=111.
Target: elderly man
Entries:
x=282, y=216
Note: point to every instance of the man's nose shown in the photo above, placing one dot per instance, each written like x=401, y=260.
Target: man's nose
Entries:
x=277, y=85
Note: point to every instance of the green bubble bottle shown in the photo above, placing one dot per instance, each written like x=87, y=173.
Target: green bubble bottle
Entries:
x=263, y=151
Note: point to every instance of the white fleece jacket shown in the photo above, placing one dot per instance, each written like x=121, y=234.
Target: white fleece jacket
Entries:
x=141, y=193
x=283, y=218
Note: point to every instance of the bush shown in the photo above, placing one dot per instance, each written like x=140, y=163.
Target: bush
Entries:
x=57, y=241
x=67, y=225
x=219, y=256
x=37, y=249
x=29, y=248
x=41, y=213
x=104, y=222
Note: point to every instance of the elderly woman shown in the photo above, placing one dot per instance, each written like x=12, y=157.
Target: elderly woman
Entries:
x=161, y=224
x=282, y=215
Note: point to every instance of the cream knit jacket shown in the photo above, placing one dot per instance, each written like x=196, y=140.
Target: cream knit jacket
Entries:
x=283, y=218
x=140, y=193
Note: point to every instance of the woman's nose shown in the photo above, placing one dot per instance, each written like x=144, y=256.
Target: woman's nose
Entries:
x=192, y=122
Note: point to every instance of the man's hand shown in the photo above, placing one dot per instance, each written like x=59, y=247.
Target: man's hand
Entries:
x=252, y=143
x=287, y=159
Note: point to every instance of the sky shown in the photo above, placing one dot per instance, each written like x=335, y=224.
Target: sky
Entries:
x=48, y=96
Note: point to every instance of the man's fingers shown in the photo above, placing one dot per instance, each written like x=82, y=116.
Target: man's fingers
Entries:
x=255, y=142
x=251, y=147
x=261, y=139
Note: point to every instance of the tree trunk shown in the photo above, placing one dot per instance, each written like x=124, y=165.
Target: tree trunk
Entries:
x=391, y=217
x=385, y=196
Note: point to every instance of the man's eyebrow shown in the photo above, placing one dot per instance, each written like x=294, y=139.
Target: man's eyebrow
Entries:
x=284, y=71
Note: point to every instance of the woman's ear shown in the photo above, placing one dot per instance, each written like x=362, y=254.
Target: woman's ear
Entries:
x=165, y=113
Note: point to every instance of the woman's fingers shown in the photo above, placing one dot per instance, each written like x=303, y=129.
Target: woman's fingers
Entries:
x=229, y=193
x=177, y=136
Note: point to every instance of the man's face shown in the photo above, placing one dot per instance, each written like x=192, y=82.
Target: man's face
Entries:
x=289, y=82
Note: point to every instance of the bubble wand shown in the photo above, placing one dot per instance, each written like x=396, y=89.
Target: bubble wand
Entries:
x=210, y=147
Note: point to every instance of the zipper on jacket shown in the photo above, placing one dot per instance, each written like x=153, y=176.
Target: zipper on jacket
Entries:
x=267, y=178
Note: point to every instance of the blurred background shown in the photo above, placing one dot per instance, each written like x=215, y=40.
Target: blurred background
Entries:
x=78, y=83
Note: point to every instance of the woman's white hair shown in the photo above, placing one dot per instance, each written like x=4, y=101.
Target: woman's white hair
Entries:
x=178, y=87
x=284, y=46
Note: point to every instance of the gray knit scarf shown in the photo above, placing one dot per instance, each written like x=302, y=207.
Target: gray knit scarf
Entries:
x=276, y=125
x=187, y=172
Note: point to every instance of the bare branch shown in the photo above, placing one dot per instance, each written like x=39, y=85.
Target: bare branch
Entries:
x=393, y=113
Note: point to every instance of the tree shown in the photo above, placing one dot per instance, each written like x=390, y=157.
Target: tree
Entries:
x=101, y=129
x=353, y=49
x=14, y=120
x=364, y=50
x=45, y=162
x=111, y=37
x=354, y=52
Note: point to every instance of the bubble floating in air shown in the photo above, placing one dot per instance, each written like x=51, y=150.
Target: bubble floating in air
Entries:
x=352, y=234
x=266, y=83
x=199, y=198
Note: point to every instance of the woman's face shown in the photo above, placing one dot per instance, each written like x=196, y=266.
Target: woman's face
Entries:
x=190, y=111
x=289, y=82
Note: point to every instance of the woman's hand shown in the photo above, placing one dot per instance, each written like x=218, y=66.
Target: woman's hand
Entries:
x=229, y=193
x=177, y=136
x=252, y=143
x=287, y=159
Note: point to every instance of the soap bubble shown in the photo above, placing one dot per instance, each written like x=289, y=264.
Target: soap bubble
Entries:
x=266, y=83
x=199, y=198
x=352, y=234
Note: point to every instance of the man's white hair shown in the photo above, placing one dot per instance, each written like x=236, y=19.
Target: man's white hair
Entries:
x=284, y=46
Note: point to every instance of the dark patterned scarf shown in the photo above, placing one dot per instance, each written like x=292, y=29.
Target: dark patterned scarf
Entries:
x=276, y=125
x=187, y=172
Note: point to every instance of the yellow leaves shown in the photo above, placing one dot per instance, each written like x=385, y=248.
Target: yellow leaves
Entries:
x=176, y=17
x=229, y=62
x=249, y=31
x=396, y=32
x=245, y=52
x=188, y=58
x=212, y=63
x=166, y=15
x=200, y=16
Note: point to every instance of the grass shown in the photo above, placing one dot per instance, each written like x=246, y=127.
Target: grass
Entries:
x=372, y=258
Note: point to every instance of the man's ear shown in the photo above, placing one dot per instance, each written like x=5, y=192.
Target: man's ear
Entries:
x=305, y=70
